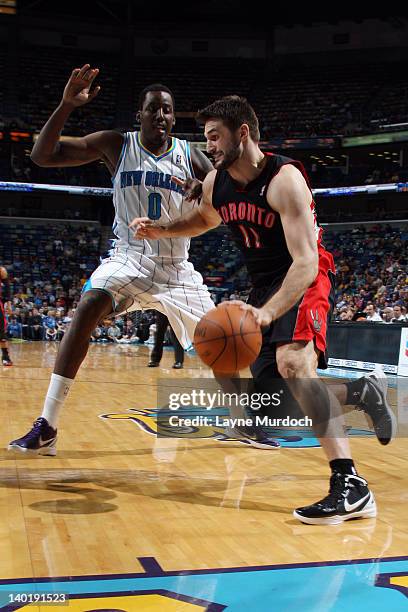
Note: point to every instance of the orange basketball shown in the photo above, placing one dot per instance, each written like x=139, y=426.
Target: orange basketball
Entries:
x=227, y=338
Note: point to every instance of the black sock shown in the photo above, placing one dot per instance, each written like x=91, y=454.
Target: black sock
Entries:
x=343, y=466
x=354, y=391
x=5, y=354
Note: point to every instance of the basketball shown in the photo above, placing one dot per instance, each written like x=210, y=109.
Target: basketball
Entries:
x=227, y=338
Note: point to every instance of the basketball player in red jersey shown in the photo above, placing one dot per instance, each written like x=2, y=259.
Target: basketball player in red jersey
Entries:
x=266, y=202
x=5, y=357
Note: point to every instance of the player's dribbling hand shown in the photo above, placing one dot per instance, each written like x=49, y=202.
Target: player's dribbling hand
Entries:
x=192, y=187
x=261, y=316
x=77, y=91
x=144, y=227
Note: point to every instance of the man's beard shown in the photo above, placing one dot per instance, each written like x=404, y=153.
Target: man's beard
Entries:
x=230, y=157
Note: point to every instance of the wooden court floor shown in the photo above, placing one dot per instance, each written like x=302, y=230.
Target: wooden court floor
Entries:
x=123, y=520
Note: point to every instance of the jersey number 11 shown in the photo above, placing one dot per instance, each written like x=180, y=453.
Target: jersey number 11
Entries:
x=251, y=237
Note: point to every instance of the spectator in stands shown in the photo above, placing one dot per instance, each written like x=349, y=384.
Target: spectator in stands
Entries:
x=68, y=317
x=59, y=326
x=96, y=334
x=35, y=327
x=388, y=315
x=372, y=314
x=120, y=322
x=38, y=298
x=114, y=333
x=14, y=328
x=398, y=315
x=22, y=318
x=346, y=314
x=343, y=302
x=101, y=332
x=50, y=326
x=129, y=333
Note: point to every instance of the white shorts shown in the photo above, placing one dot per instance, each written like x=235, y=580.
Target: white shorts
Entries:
x=137, y=282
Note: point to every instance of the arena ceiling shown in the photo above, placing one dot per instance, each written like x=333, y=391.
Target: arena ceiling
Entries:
x=188, y=11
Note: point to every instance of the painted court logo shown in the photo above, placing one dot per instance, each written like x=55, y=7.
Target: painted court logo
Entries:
x=396, y=580
x=155, y=421
x=381, y=582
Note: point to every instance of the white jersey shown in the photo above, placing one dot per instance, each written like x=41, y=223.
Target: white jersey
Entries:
x=142, y=187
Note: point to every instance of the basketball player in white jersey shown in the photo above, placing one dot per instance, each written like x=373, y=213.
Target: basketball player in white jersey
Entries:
x=138, y=273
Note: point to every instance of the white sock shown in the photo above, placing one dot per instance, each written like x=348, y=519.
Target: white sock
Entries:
x=55, y=398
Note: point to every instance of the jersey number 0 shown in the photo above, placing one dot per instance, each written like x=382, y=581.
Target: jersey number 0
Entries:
x=154, y=209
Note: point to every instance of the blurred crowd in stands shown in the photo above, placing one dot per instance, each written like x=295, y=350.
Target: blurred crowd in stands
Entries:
x=348, y=99
x=371, y=279
x=28, y=323
x=291, y=101
x=48, y=266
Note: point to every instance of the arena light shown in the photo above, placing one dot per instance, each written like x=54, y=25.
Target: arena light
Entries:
x=388, y=125
x=108, y=192
x=8, y=7
x=18, y=136
x=372, y=139
x=72, y=189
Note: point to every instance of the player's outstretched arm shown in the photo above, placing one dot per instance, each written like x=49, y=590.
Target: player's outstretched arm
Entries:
x=290, y=196
x=196, y=222
x=48, y=151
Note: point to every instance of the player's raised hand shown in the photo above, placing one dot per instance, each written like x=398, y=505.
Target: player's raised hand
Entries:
x=192, y=188
x=144, y=228
x=78, y=91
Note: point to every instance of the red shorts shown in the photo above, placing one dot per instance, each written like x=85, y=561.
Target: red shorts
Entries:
x=307, y=320
x=3, y=322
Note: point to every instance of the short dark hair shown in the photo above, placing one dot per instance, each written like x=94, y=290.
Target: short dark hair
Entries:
x=233, y=111
x=154, y=87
